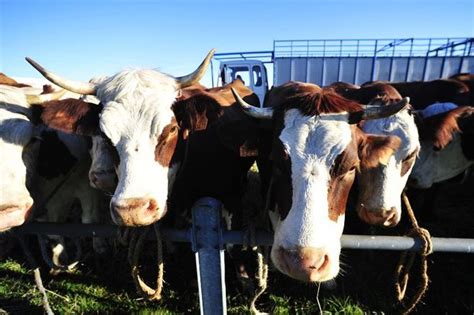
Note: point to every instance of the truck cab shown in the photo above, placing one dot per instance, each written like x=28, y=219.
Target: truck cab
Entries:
x=252, y=72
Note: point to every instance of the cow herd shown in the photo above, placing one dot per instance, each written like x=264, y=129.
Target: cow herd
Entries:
x=150, y=144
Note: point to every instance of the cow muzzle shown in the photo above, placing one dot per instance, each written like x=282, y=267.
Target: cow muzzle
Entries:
x=15, y=214
x=306, y=264
x=136, y=211
x=387, y=218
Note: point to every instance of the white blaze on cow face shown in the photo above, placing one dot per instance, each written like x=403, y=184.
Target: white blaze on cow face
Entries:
x=136, y=109
x=380, y=187
x=15, y=134
x=434, y=166
x=307, y=241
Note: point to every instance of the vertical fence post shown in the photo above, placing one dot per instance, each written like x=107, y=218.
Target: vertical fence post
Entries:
x=208, y=248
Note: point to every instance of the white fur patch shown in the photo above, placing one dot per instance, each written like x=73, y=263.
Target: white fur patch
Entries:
x=436, y=166
x=313, y=145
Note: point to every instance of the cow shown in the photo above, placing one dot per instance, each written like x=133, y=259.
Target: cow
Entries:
x=136, y=117
x=380, y=187
x=425, y=93
x=447, y=141
x=315, y=151
x=45, y=170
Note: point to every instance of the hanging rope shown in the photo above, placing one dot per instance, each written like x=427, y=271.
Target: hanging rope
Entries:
x=406, y=262
x=262, y=256
x=138, y=236
x=36, y=272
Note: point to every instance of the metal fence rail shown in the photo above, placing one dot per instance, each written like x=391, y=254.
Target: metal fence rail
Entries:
x=397, y=243
x=406, y=47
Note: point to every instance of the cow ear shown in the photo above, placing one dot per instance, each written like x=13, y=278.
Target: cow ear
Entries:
x=240, y=136
x=375, y=150
x=196, y=113
x=72, y=116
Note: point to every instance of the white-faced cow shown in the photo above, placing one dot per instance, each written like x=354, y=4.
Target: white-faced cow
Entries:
x=380, y=186
x=447, y=142
x=135, y=115
x=316, y=151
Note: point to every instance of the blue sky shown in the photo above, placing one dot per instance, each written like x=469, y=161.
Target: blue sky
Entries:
x=81, y=39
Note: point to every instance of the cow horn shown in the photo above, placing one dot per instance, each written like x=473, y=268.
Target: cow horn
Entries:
x=73, y=86
x=261, y=113
x=376, y=112
x=34, y=99
x=197, y=75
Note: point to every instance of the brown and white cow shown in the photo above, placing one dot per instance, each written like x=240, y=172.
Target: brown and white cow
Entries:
x=447, y=142
x=135, y=115
x=316, y=151
x=381, y=186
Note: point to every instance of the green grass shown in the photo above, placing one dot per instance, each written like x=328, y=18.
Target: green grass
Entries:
x=81, y=293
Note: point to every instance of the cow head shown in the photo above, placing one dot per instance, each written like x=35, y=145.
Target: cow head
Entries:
x=447, y=140
x=316, y=152
x=135, y=116
x=381, y=184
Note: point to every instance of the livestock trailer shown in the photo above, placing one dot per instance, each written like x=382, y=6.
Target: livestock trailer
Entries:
x=324, y=61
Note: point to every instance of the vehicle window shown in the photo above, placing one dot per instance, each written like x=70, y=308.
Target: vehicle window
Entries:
x=257, y=76
x=241, y=73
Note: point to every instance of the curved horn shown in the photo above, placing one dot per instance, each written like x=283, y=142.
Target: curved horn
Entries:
x=261, y=113
x=195, y=76
x=375, y=112
x=34, y=99
x=73, y=86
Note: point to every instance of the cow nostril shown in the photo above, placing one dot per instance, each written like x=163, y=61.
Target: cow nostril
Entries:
x=152, y=205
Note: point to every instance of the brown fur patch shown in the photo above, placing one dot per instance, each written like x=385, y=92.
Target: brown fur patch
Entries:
x=342, y=178
x=166, y=146
x=440, y=128
x=375, y=150
x=309, y=98
x=72, y=116
x=6, y=80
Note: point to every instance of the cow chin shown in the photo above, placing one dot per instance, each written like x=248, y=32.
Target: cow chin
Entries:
x=307, y=264
x=133, y=212
x=387, y=218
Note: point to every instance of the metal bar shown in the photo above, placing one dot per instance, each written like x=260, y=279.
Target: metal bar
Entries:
x=212, y=73
x=407, y=70
x=374, y=61
x=460, y=245
x=426, y=62
x=209, y=250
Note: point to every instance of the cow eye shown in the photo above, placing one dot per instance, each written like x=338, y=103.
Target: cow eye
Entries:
x=174, y=129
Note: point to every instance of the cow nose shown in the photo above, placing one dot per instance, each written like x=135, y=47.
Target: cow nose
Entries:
x=136, y=211
x=306, y=264
x=388, y=218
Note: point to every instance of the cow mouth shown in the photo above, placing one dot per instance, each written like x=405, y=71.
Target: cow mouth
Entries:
x=13, y=216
